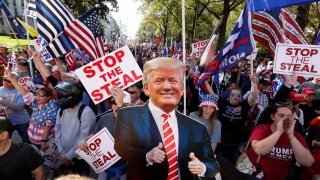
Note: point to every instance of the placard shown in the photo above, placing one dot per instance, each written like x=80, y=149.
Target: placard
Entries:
x=118, y=68
x=198, y=47
x=27, y=83
x=301, y=58
x=51, y=155
x=102, y=154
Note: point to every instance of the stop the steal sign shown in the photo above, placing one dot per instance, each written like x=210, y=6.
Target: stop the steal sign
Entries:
x=118, y=68
x=303, y=59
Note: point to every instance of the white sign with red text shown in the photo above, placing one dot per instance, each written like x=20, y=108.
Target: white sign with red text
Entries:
x=27, y=83
x=101, y=153
x=198, y=47
x=118, y=68
x=51, y=155
x=301, y=58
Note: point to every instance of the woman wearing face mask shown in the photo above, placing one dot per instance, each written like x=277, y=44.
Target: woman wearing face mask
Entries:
x=277, y=143
x=207, y=115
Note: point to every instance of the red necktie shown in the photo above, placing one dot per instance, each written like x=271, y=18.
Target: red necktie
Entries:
x=170, y=148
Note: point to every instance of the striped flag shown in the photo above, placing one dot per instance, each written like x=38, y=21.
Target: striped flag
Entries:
x=69, y=59
x=83, y=37
x=278, y=26
x=52, y=18
x=91, y=20
x=31, y=9
x=59, y=46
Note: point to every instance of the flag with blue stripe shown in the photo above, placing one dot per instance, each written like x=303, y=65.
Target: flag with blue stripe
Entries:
x=52, y=18
x=239, y=45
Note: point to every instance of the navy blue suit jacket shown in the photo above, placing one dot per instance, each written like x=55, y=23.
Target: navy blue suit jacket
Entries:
x=136, y=134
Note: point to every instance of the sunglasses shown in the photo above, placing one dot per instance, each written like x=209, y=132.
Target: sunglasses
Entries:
x=235, y=95
x=132, y=92
x=40, y=94
x=5, y=80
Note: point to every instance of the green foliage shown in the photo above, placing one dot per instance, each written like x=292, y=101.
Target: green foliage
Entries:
x=78, y=7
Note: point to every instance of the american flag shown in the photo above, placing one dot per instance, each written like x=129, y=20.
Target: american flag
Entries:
x=277, y=26
x=91, y=20
x=68, y=58
x=83, y=37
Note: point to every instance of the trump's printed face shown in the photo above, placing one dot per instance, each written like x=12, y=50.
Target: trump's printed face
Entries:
x=165, y=88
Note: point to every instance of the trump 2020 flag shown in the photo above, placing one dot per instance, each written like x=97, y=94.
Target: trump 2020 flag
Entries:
x=263, y=5
x=317, y=40
x=239, y=45
x=13, y=22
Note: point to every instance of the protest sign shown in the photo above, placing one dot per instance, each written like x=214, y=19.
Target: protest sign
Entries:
x=27, y=83
x=101, y=153
x=118, y=68
x=51, y=155
x=303, y=59
x=198, y=47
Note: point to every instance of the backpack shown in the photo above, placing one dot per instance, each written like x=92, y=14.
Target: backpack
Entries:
x=79, y=112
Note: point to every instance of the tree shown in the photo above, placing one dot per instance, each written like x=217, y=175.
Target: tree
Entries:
x=78, y=7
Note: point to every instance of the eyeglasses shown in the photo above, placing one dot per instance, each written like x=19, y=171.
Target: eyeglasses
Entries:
x=235, y=95
x=6, y=80
x=132, y=92
x=40, y=94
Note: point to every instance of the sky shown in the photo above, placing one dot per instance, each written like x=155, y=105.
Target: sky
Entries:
x=129, y=16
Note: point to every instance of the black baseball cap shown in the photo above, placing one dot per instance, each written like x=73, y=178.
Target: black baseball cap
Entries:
x=264, y=81
x=24, y=63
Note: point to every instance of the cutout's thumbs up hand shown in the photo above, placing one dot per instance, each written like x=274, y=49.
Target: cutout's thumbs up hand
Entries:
x=195, y=165
x=156, y=155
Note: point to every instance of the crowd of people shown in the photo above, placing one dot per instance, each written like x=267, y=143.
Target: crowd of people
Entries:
x=278, y=115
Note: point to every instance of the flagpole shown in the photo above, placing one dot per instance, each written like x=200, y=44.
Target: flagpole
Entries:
x=26, y=20
x=184, y=56
x=10, y=26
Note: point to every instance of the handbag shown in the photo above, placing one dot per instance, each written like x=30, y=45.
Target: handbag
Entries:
x=244, y=165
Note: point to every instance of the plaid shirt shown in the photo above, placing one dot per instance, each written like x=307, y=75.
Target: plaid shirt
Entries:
x=261, y=99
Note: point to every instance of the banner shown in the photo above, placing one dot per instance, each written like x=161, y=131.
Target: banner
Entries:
x=198, y=47
x=102, y=154
x=303, y=59
x=258, y=5
x=118, y=68
x=51, y=155
x=13, y=23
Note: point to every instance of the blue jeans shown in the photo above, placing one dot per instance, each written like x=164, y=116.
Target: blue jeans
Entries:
x=23, y=132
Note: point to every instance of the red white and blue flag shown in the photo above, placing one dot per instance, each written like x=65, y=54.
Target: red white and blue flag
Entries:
x=263, y=5
x=239, y=45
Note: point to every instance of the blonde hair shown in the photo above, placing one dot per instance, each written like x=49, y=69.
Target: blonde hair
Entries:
x=73, y=177
x=162, y=63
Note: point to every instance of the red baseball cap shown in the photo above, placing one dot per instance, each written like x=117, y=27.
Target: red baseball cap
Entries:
x=296, y=97
x=308, y=91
